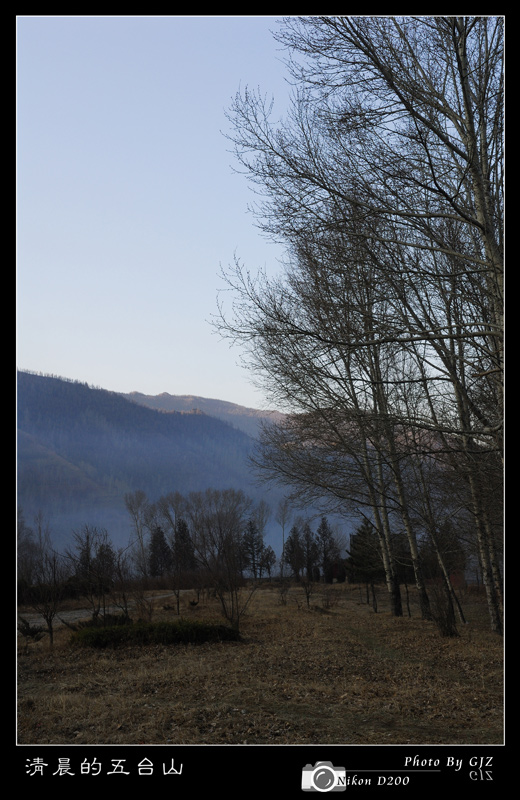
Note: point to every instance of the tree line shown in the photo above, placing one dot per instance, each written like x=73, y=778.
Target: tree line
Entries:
x=209, y=540
x=382, y=333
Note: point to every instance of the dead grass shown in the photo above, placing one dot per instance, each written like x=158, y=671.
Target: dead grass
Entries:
x=336, y=673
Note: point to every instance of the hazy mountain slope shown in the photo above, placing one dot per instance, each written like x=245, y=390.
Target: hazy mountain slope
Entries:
x=80, y=449
x=41, y=470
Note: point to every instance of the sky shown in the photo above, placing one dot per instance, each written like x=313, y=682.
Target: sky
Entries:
x=128, y=204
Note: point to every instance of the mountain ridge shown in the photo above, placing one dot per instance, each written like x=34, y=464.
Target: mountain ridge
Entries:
x=246, y=419
x=80, y=449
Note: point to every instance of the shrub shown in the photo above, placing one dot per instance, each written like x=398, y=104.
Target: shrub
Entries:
x=146, y=633
x=30, y=632
x=104, y=621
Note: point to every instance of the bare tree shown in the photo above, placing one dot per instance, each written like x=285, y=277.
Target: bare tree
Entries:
x=140, y=511
x=48, y=580
x=93, y=564
x=385, y=184
x=217, y=521
x=122, y=581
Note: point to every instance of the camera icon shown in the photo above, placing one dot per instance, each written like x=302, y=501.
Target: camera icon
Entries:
x=323, y=777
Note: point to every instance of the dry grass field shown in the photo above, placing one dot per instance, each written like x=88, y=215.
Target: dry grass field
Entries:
x=334, y=673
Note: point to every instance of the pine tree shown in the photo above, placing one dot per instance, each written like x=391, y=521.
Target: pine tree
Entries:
x=294, y=554
x=364, y=564
x=253, y=548
x=160, y=556
x=329, y=550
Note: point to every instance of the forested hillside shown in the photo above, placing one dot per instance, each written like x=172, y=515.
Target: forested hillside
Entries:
x=80, y=449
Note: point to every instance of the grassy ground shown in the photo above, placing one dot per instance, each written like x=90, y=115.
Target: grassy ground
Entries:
x=334, y=673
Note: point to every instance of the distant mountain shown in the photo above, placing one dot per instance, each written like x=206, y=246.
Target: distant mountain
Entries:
x=248, y=420
x=81, y=449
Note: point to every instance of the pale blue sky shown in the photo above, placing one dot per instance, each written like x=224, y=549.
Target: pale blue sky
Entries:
x=127, y=204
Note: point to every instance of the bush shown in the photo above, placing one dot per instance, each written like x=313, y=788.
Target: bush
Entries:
x=146, y=633
x=30, y=632
x=103, y=621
